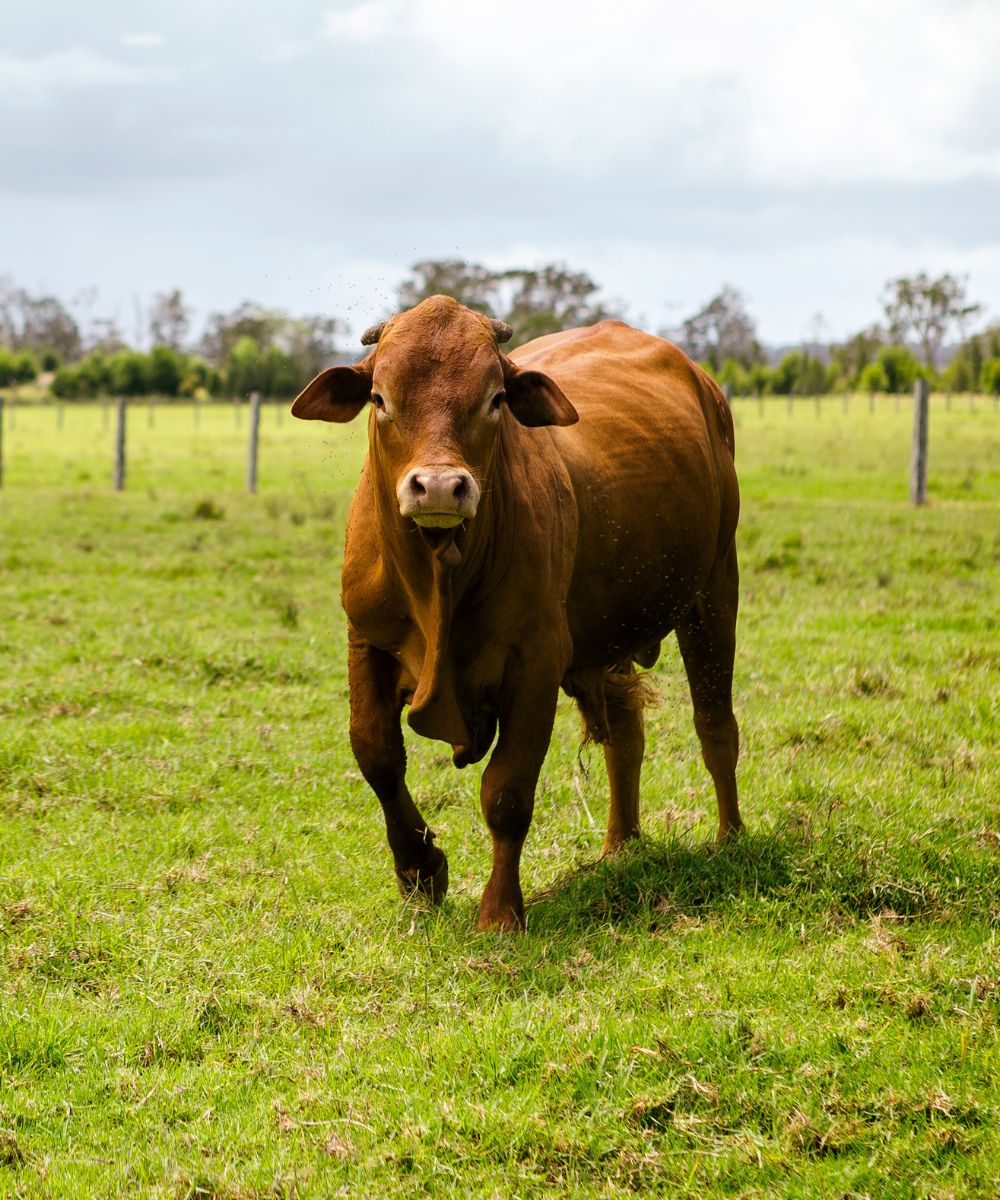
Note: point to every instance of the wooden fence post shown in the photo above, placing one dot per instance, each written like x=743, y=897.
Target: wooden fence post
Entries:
x=120, y=405
x=918, y=463
x=1, y=441
x=254, y=441
x=151, y=415
x=760, y=404
x=196, y=412
x=60, y=415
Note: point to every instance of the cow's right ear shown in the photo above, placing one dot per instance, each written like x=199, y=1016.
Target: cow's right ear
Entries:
x=336, y=394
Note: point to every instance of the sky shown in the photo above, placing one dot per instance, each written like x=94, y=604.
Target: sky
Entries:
x=305, y=155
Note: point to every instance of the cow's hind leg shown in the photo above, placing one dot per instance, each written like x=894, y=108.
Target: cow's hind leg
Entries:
x=611, y=707
x=377, y=742
x=707, y=639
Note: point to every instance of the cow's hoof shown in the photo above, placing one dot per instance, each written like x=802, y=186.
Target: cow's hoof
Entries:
x=509, y=922
x=433, y=888
x=501, y=917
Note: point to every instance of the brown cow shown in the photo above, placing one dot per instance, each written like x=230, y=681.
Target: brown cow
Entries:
x=522, y=524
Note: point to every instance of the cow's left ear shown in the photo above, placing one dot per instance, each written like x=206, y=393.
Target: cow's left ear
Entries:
x=336, y=394
x=535, y=399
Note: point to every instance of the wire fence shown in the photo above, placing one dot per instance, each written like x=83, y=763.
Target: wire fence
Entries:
x=121, y=428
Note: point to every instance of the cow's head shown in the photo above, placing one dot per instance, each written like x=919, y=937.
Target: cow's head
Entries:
x=439, y=386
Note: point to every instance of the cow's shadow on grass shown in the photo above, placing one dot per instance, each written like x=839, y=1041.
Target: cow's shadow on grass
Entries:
x=653, y=881
x=848, y=871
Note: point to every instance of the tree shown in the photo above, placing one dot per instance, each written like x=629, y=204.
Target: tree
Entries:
x=928, y=308
x=169, y=319
x=470, y=284
x=310, y=342
x=853, y=355
x=106, y=336
x=548, y=300
x=722, y=329
x=225, y=330
x=532, y=300
x=36, y=323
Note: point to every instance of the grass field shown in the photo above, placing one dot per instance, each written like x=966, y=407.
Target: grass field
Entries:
x=208, y=987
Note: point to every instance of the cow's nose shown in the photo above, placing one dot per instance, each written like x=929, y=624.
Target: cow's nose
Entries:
x=438, y=495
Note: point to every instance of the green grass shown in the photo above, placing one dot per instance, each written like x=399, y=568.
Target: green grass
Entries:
x=208, y=987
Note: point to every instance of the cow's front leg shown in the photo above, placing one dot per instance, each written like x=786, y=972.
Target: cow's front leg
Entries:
x=377, y=742
x=508, y=796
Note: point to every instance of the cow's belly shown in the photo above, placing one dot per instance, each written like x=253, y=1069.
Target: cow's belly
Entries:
x=636, y=576
x=610, y=623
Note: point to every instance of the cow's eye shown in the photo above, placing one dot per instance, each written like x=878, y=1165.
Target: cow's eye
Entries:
x=378, y=401
x=496, y=401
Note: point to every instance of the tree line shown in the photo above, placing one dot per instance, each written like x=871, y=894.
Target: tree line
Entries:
x=255, y=348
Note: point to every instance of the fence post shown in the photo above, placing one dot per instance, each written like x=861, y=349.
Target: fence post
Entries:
x=253, y=443
x=1, y=440
x=727, y=391
x=104, y=412
x=817, y=403
x=13, y=421
x=196, y=412
x=120, y=407
x=60, y=415
x=789, y=403
x=236, y=410
x=760, y=404
x=918, y=463
x=151, y=415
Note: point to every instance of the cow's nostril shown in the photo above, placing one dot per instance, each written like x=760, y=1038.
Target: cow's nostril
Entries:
x=417, y=487
x=461, y=488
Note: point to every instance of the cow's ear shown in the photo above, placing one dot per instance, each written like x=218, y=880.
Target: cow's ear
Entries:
x=336, y=394
x=535, y=399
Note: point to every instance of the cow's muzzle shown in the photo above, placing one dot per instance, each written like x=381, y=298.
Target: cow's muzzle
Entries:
x=438, y=497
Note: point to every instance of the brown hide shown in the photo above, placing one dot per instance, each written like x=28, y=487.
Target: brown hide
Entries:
x=592, y=540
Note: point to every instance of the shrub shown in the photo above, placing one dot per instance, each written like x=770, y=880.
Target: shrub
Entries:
x=900, y=367
x=873, y=379
x=129, y=373
x=989, y=377
x=165, y=370
x=67, y=384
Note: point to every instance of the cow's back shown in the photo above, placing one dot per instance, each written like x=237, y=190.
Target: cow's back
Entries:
x=651, y=464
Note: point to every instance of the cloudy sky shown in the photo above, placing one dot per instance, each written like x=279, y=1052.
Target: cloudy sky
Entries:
x=306, y=154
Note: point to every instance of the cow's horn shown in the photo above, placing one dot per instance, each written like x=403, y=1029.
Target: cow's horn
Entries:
x=502, y=330
x=372, y=334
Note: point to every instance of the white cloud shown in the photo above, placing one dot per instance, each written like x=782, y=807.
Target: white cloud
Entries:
x=142, y=41
x=63, y=70
x=777, y=92
x=367, y=20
